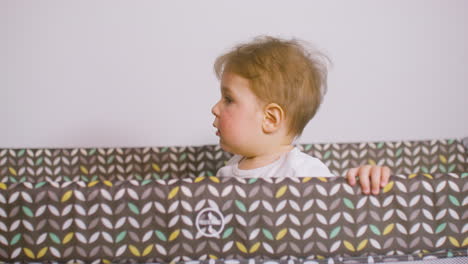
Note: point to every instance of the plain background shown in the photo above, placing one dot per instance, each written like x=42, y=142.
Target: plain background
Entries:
x=140, y=73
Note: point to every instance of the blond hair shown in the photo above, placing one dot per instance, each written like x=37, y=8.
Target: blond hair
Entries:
x=286, y=72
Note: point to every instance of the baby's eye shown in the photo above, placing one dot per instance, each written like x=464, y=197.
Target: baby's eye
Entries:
x=227, y=99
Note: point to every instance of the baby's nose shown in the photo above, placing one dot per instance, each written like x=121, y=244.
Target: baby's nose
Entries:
x=214, y=109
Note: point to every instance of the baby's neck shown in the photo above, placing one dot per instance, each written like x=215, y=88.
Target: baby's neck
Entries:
x=263, y=159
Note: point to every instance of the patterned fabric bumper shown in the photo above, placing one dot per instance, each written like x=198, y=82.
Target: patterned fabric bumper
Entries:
x=210, y=218
x=147, y=205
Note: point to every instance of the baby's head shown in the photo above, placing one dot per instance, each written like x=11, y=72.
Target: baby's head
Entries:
x=279, y=85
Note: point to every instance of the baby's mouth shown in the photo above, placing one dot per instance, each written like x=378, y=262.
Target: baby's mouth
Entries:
x=216, y=130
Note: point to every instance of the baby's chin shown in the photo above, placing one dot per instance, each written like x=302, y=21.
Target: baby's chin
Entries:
x=227, y=148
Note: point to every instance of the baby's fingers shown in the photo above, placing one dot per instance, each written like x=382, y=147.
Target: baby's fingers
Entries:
x=351, y=176
x=375, y=179
x=364, y=178
x=385, y=176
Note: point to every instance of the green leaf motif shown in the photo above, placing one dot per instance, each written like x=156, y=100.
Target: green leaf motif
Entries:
x=380, y=145
x=227, y=232
x=348, y=203
x=160, y=235
x=92, y=151
x=454, y=200
x=27, y=211
x=145, y=182
x=182, y=157
x=441, y=228
x=133, y=208
x=241, y=206
x=375, y=230
x=327, y=154
x=267, y=234
x=15, y=239
x=335, y=232
x=398, y=152
x=252, y=180
x=442, y=168
x=451, y=168
x=39, y=161
x=110, y=159
x=307, y=147
x=120, y=236
x=424, y=169
x=21, y=152
x=39, y=184
x=54, y=238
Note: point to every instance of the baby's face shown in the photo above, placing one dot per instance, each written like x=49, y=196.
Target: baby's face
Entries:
x=238, y=116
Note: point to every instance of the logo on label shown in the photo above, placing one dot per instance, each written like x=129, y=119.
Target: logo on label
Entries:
x=210, y=222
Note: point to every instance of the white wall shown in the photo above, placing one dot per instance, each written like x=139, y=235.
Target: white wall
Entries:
x=139, y=73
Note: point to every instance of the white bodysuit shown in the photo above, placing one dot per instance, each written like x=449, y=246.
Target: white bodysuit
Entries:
x=291, y=164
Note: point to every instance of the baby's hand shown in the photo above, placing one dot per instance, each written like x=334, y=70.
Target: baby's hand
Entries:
x=369, y=176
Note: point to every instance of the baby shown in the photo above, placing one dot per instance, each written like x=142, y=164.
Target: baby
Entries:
x=271, y=88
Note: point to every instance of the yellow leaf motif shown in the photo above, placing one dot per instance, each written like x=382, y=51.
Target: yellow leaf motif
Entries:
x=349, y=246
x=12, y=171
x=91, y=184
x=134, y=250
x=212, y=256
x=241, y=247
x=173, y=193
x=281, y=191
x=454, y=241
x=199, y=179
x=68, y=237
x=306, y=179
x=322, y=179
x=320, y=257
x=174, y=235
x=84, y=170
x=428, y=176
x=156, y=167
x=411, y=176
x=3, y=186
x=388, y=187
x=214, y=179
x=42, y=252
x=106, y=261
x=255, y=247
x=66, y=196
x=362, y=245
x=465, y=242
x=443, y=159
x=108, y=183
x=372, y=162
x=29, y=253
x=388, y=229
x=281, y=234
x=147, y=250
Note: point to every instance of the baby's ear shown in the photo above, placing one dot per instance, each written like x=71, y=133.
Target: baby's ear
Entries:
x=273, y=118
